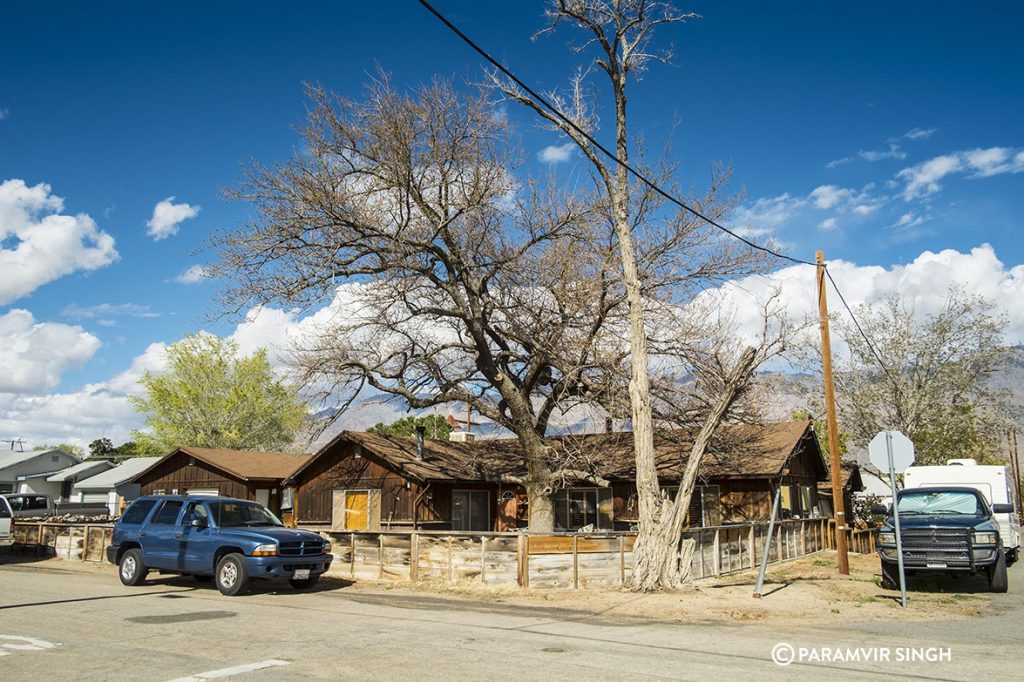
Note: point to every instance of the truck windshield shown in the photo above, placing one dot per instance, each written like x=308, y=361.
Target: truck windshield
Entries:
x=949, y=502
x=236, y=514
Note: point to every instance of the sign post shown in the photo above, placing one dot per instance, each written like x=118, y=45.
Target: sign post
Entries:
x=891, y=451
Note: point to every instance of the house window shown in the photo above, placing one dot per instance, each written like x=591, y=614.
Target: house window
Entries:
x=471, y=510
x=577, y=508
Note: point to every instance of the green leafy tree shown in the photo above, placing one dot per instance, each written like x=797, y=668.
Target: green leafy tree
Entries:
x=437, y=427
x=101, y=447
x=821, y=430
x=211, y=397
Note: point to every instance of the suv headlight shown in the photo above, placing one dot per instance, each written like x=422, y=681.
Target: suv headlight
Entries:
x=327, y=547
x=986, y=538
x=887, y=537
x=265, y=550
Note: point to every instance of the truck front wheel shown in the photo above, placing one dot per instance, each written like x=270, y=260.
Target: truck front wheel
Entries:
x=231, y=575
x=997, y=581
x=890, y=576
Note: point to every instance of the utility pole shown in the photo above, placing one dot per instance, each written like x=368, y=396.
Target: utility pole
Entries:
x=838, y=504
x=1015, y=469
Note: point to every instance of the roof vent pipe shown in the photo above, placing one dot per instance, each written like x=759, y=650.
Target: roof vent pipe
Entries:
x=420, y=431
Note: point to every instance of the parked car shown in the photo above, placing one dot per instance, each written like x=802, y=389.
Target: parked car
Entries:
x=28, y=505
x=944, y=529
x=6, y=524
x=228, y=540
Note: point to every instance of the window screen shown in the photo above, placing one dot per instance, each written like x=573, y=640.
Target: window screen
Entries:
x=137, y=513
x=168, y=513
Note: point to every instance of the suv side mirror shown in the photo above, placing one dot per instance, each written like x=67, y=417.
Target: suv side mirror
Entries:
x=879, y=509
x=1002, y=508
x=199, y=523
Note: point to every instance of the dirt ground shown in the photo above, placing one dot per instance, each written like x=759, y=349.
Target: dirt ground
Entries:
x=809, y=589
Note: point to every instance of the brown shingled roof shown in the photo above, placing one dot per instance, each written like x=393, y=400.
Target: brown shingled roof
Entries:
x=248, y=464
x=739, y=451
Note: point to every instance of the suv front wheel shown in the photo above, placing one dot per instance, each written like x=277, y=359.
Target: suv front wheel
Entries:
x=130, y=569
x=231, y=575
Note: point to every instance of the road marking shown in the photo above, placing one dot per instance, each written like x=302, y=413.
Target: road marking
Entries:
x=228, y=672
x=12, y=643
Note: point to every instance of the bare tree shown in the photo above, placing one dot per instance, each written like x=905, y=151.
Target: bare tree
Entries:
x=940, y=382
x=619, y=34
x=461, y=284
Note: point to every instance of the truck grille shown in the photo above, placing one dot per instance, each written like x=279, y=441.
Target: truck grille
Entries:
x=949, y=546
x=311, y=548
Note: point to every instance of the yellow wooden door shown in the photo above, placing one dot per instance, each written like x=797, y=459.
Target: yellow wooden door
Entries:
x=357, y=509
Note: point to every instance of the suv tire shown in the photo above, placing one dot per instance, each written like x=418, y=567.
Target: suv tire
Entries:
x=130, y=568
x=306, y=584
x=231, y=576
x=997, y=581
x=890, y=576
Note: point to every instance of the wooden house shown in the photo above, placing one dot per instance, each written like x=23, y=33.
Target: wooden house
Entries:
x=364, y=481
x=243, y=474
x=852, y=482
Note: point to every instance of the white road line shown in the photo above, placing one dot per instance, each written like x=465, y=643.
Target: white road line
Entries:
x=229, y=672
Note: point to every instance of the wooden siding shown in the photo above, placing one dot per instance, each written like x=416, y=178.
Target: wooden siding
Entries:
x=339, y=469
x=182, y=472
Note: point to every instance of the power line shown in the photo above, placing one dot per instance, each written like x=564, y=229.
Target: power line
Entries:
x=642, y=178
x=637, y=174
x=860, y=329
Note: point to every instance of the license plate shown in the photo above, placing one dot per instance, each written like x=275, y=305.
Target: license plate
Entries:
x=303, y=573
x=936, y=564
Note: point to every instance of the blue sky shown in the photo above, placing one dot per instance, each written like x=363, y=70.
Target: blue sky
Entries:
x=875, y=131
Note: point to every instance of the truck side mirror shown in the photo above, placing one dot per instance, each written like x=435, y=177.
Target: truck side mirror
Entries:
x=880, y=509
x=1002, y=508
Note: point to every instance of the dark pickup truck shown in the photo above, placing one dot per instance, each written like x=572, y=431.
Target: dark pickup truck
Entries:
x=37, y=505
x=228, y=540
x=946, y=530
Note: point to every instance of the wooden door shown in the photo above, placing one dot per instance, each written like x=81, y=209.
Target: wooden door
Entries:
x=357, y=509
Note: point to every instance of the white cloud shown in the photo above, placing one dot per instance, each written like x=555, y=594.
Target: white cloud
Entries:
x=4, y=113
x=925, y=282
x=923, y=179
x=827, y=196
x=919, y=133
x=107, y=310
x=34, y=355
x=893, y=152
x=766, y=214
x=167, y=216
x=196, y=273
x=40, y=244
x=828, y=224
x=557, y=153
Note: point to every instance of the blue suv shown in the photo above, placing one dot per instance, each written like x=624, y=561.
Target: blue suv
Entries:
x=221, y=538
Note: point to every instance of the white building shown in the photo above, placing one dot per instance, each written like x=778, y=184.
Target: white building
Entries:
x=18, y=467
x=58, y=485
x=113, y=486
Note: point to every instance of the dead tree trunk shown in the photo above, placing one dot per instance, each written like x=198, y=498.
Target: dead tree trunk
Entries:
x=658, y=556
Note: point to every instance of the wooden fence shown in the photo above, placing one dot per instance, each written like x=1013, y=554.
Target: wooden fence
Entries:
x=571, y=560
x=82, y=541
x=565, y=560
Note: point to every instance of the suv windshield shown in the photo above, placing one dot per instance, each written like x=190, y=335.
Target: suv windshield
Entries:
x=235, y=514
x=948, y=502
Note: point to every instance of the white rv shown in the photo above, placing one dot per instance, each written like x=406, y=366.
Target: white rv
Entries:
x=994, y=482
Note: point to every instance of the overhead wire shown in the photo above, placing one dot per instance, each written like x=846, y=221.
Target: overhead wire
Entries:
x=543, y=101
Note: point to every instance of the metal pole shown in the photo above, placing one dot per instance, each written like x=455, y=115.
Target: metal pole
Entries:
x=896, y=517
x=768, y=542
x=838, y=502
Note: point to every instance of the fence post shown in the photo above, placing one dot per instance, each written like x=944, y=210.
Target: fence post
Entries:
x=450, y=568
x=414, y=560
x=803, y=538
x=483, y=559
x=85, y=543
x=380, y=554
x=718, y=554
x=39, y=537
x=526, y=559
x=575, y=563
x=750, y=546
x=352, y=556
x=778, y=542
x=622, y=561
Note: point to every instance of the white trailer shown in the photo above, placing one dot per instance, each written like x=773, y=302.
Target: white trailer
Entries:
x=994, y=482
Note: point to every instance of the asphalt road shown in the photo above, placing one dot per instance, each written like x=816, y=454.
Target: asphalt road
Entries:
x=84, y=625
